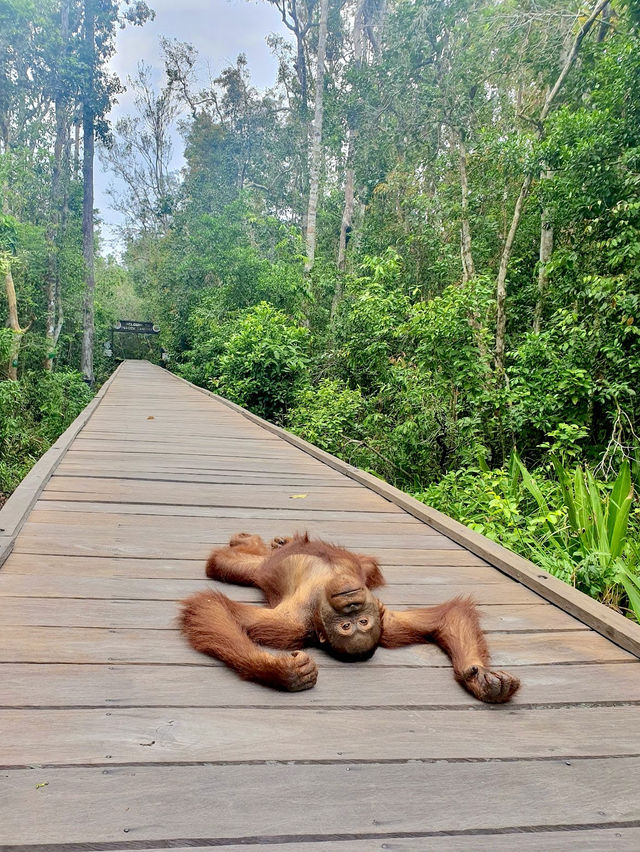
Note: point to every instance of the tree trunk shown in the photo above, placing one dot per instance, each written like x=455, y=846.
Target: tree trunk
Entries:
x=14, y=324
x=352, y=133
x=76, y=147
x=546, y=250
x=316, y=137
x=88, y=133
x=468, y=267
x=57, y=203
x=501, y=282
x=347, y=213
x=301, y=68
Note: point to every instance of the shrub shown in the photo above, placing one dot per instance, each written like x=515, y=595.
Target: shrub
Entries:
x=33, y=413
x=328, y=415
x=265, y=362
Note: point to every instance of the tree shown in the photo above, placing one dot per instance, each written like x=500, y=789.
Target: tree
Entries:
x=140, y=156
x=98, y=32
x=315, y=151
x=501, y=281
x=8, y=241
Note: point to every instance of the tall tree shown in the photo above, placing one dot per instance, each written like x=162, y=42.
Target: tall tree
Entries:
x=501, y=281
x=8, y=240
x=140, y=156
x=98, y=34
x=63, y=102
x=88, y=150
x=315, y=152
x=297, y=16
x=352, y=131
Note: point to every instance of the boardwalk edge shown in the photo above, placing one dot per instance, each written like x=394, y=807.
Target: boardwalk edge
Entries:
x=601, y=618
x=19, y=505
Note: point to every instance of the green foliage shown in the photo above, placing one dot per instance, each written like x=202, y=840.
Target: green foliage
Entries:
x=368, y=331
x=33, y=413
x=265, y=361
x=575, y=527
x=55, y=399
x=329, y=415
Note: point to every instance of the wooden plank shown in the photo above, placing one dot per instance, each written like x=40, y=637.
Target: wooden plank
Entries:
x=57, y=685
x=156, y=548
x=97, y=541
x=170, y=589
x=270, y=452
x=300, y=803
x=161, y=614
x=203, y=529
x=590, y=840
x=183, y=734
x=203, y=461
x=213, y=478
x=115, y=490
x=83, y=513
x=263, y=441
x=114, y=645
x=416, y=570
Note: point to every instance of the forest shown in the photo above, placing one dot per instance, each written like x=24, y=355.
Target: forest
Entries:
x=418, y=250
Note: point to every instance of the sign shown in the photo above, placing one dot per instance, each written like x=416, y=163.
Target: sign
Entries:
x=136, y=327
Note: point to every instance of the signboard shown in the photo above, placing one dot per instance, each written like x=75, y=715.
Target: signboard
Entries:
x=136, y=327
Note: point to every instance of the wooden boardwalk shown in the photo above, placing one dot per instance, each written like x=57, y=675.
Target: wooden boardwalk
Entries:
x=115, y=734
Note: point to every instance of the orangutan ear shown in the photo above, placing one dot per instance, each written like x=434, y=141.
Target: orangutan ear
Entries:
x=322, y=636
x=371, y=571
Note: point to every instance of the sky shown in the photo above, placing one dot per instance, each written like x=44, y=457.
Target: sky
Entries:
x=219, y=30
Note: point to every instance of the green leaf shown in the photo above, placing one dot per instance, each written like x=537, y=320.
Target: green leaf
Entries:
x=618, y=510
x=632, y=588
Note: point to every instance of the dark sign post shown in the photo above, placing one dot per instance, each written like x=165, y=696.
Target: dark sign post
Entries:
x=133, y=327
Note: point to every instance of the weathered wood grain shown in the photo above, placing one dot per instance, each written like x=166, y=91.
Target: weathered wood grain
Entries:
x=118, y=645
x=109, y=685
x=185, y=493
x=264, y=521
x=175, y=735
x=169, y=589
x=203, y=530
x=417, y=568
x=161, y=614
x=301, y=802
x=594, y=840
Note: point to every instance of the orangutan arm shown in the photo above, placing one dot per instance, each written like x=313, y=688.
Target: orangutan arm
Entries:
x=455, y=627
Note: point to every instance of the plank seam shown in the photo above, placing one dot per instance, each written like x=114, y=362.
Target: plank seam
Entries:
x=567, y=759
x=115, y=661
x=284, y=839
x=357, y=708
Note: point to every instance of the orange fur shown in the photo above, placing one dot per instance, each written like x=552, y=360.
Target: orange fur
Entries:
x=314, y=589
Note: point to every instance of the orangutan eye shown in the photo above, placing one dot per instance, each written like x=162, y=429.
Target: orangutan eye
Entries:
x=364, y=621
x=346, y=626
